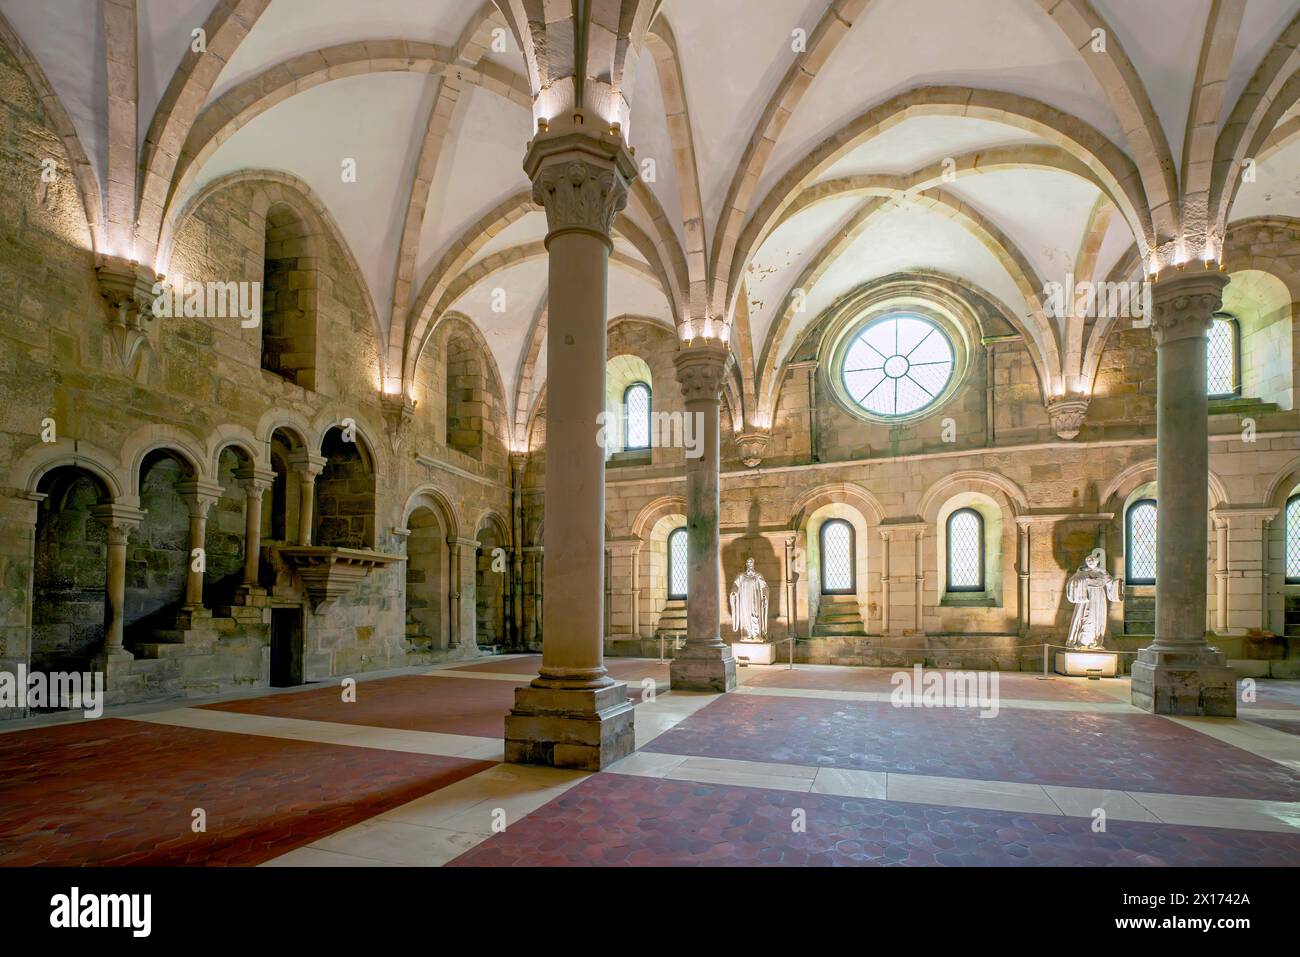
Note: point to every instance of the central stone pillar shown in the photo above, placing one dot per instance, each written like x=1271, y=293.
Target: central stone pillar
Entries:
x=307, y=466
x=574, y=715
x=1179, y=673
x=705, y=662
x=255, y=481
x=199, y=498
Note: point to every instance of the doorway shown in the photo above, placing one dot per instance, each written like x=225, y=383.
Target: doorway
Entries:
x=286, y=647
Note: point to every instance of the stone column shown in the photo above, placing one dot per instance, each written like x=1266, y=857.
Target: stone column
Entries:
x=573, y=714
x=1022, y=577
x=119, y=521
x=885, y=579
x=704, y=662
x=1220, y=574
x=307, y=466
x=199, y=498
x=1179, y=673
x=517, y=462
x=464, y=594
x=255, y=482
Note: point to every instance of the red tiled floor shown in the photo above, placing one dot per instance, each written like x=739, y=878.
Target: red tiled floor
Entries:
x=1011, y=684
x=613, y=819
x=1127, y=752
x=124, y=792
x=409, y=703
x=624, y=669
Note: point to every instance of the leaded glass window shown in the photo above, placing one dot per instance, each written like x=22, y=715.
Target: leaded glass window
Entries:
x=636, y=408
x=1293, y=539
x=1221, y=357
x=897, y=365
x=837, y=557
x=1140, y=541
x=677, y=563
x=965, y=550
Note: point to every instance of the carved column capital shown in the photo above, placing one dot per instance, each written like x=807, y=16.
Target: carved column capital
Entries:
x=307, y=464
x=1183, y=304
x=702, y=366
x=200, y=496
x=255, y=481
x=119, y=520
x=581, y=180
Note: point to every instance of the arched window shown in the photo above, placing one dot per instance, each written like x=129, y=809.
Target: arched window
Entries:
x=636, y=412
x=1140, y=542
x=837, y=558
x=1221, y=351
x=1293, y=539
x=677, y=563
x=965, y=536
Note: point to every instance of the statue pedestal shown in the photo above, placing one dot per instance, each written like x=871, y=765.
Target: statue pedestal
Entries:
x=755, y=652
x=1087, y=664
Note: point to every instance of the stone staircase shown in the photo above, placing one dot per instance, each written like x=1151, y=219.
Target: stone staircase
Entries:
x=1139, y=616
x=672, y=620
x=839, y=616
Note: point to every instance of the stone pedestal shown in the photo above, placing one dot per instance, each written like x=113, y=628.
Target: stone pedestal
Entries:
x=580, y=728
x=758, y=652
x=1086, y=664
x=1197, y=681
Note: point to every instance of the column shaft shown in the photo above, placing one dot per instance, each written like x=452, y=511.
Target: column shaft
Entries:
x=252, y=535
x=115, y=590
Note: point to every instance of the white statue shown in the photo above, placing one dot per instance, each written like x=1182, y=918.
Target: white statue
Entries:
x=749, y=604
x=1090, y=588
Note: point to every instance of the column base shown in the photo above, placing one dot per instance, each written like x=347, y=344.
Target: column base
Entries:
x=703, y=668
x=1194, y=682
x=580, y=728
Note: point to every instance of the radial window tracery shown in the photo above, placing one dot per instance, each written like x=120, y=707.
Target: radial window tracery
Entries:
x=897, y=365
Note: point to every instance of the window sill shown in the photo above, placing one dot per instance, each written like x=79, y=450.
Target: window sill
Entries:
x=621, y=459
x=974, y=600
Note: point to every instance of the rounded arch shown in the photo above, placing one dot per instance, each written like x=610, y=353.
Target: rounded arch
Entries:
x=845, y=493
x=989, y=484
x=295, y=426
x=239, y=437
x=365, y=432
x=653, y=511
x=32, y=466
x=433, y=498
x=271, y=188
x=1118, y=488
x=490, y=518
x=151, y=438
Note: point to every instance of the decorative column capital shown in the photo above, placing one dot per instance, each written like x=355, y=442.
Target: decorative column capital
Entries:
x=1067, y=415
x=753, y=444
x=518, y=461
x=307, y=464
x=581, y=180
x=200, y=496
x=1183, y=304
x=254, y=480
x=119, y=520
x=398, y=412
x=702, y=366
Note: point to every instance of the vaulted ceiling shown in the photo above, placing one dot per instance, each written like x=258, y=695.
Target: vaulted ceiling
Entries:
x=786, y=146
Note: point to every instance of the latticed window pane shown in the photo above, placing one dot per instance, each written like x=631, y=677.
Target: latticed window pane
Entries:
x=637, y=402
x=965, y=561
x=1221, y=358
x=1293, y=539
x=677, y=564
x=837, y=557
x=1142, y=542
x=897, y=365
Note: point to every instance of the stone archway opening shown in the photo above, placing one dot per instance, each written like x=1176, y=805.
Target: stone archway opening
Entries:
x=428, y=566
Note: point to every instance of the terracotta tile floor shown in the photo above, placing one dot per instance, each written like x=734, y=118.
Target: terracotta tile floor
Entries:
x=1011, y=684
x=123, y=792
x=408, y=703
x=612, y=819
x=1126, y=752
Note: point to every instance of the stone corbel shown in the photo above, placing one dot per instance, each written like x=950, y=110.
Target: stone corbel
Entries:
x=127, y=288
x=399, y=412
x=753, y=445
x=1067, y=415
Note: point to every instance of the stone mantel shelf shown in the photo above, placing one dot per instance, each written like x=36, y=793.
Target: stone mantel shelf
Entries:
x=327, y=573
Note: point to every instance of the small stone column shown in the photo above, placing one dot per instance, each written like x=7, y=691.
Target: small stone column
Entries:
x=119, y=521
x=574, y=715
x=885, y=580
x=518, y=460
x=1179, y=673
x=705, y=662
x=199, y=498
x=1220, y=574
x=255, y=482
x=307, y=466
x=464, y=595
